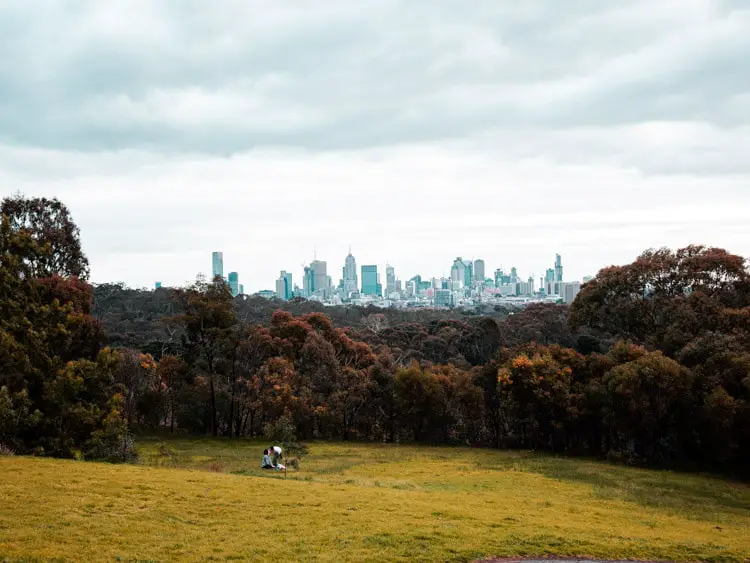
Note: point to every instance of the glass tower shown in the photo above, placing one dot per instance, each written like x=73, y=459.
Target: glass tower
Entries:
x=217, y=262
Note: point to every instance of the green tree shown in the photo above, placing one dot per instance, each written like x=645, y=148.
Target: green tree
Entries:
x=207, y=321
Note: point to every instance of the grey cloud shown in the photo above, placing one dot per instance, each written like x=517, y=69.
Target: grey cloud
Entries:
x=232, y=76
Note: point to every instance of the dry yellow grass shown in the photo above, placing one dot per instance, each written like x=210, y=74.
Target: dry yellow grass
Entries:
x=362, y=503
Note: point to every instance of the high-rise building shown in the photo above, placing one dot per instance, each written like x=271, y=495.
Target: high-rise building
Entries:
x=284, y=288
x=320, y=278
x=549, y=277
x=499, y=277
x=390, y=279
x=513, y=275
x=350, y=283
x=558, y=268
x=242, y=289
x=217, y=265
x=443, y=297
x=234, y=283
x=462, y=271
x=157, y=285
x=370, y=281
x=308, y=282
x=288, y=286
x=569, y=290
x=479, y=270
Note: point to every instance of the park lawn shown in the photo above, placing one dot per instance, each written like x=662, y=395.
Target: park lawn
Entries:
x=206, y=499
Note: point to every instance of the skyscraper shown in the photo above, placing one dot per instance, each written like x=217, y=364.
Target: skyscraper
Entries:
x=390, y=280
x=157, y=285
x=284, y=286
x=558, y=268
x=499, y=277
x=308, y=282
x=370, y=283
x=234, y=283
x=217, y=260
x=320, y=278
x=350, y=282
x=479, y=270
x=458, y=271
x=549, y=277
x=513, y=275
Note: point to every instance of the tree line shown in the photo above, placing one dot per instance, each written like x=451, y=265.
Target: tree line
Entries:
x=650, y=365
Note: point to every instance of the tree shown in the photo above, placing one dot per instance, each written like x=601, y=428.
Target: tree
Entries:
x=665, y=299
x=57, y=387
x=648, y=410
x=207, y=321
x=50, y=225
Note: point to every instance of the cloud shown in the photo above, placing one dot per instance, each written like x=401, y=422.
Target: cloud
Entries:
x=416, y=131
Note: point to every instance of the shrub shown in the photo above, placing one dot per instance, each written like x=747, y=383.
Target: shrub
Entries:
x=6, y=451
x=113, y=443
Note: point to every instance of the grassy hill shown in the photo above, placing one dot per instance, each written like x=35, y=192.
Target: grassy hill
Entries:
x=208, y=500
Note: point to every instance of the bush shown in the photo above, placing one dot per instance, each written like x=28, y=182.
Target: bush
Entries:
x=6, y=451
x=113, y=443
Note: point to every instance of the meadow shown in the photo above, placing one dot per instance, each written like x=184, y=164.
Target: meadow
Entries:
x=207, y=499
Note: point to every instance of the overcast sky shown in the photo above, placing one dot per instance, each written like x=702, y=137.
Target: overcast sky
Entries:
x=413, y=131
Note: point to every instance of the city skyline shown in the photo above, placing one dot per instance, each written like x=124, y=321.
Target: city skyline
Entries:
x=465, y=276
x=512, y=131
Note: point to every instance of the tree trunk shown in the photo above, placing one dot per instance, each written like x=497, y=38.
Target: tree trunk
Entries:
x=214, y=429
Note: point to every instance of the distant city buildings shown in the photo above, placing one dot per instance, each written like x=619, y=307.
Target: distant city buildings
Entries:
x=157, y=285
x=467, y=286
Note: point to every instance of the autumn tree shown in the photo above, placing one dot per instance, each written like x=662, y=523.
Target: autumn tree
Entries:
x=57, y=388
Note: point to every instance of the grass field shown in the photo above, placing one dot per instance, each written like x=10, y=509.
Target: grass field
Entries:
x=208, y=500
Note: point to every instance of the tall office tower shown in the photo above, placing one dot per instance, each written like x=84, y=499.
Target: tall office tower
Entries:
x=217, y=260
x=558, y=268
x=284, y=287
x=242, y=289
x=513, y=276
x=320, y=278
x=479, y=271
x=461, y=271
x=157, y=285
x=370, y=280
x=308, y=282
x=350, y=282
x=288, y=287
x=568, y=291
x=390, y=280
x=234, y=283
x=499, y=277
x=549, y=277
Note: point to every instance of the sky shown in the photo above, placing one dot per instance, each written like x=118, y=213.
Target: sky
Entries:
x=414, y=132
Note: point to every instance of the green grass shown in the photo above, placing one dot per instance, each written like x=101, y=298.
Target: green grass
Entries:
x=207, y=499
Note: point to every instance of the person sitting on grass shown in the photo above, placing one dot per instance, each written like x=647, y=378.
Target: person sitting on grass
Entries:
x=266, y=462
